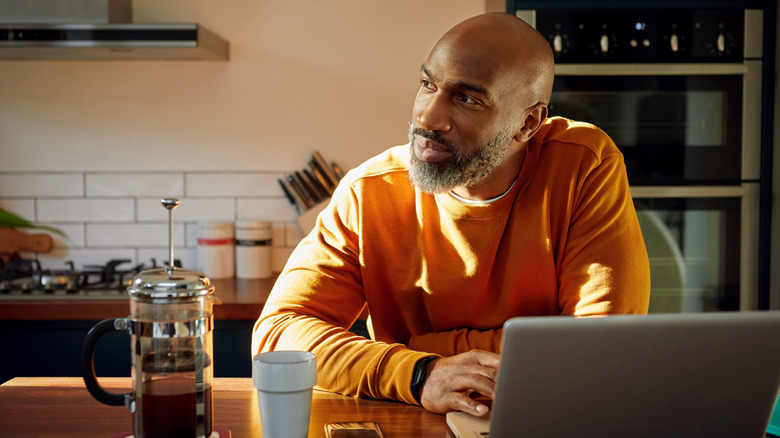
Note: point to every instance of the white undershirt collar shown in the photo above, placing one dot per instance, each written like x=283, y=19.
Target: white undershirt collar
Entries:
x=485, y=202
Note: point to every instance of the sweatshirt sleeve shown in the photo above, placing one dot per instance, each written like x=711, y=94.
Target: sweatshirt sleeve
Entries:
x=458, y=341
x=603, y=265
x=317, y=297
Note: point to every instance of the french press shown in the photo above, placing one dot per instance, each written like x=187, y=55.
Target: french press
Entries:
x=170, y=326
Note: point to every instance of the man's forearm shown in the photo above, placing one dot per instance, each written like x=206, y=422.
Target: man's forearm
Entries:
x=346, y=363
x=457, y=341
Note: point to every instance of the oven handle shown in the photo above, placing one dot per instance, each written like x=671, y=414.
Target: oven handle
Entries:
x=688, y=191
x=709, y=69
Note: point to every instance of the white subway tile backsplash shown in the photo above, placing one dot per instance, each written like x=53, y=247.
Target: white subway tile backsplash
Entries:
x=109, y=216
x=41, y=184
x=151, y=210
x=134, y=235
x=216, y=209
x=265, y=209
x=74, y=236
x=85, y=210
x=219, y=209
x=162, y=185
x=20, y=207
x=187, y=257
x=236, y=184
x=191, y=235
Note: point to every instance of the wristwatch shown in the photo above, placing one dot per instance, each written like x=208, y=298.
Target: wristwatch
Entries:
x=419, y=375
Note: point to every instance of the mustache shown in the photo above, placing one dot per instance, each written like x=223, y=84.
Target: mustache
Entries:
x=434, y=136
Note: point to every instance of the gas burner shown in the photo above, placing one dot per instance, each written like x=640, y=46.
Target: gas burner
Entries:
x=20, y=275
x=24, y=279
x=70, y=280
x=109, y=276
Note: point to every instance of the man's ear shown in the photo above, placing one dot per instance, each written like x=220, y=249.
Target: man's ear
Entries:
x=533, y=121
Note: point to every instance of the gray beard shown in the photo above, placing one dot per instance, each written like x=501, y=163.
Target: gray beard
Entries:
x=461, y=170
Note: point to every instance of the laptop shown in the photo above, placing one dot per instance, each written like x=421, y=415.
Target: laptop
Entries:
x=671, y=375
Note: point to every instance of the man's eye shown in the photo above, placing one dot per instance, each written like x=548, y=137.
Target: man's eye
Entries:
x=467, y=99
x=426, y=84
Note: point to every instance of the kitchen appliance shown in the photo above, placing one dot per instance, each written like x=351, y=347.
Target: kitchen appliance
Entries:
x=679, y=90
x=170, y=326
x=24, y=279
x=98, y=29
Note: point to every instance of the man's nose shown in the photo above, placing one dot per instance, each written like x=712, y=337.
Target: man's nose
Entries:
x=433, y=113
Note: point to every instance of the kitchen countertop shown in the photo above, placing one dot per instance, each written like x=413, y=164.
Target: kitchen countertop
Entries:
x=241, y=300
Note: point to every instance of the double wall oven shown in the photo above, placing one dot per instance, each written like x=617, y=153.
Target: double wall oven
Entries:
x=680, y=92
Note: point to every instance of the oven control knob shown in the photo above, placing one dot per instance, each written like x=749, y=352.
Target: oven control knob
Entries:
x=674, y=42
x=604, y=43
x=557, y=43
x=721, y=43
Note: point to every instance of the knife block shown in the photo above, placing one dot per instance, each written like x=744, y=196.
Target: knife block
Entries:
x=308, y=218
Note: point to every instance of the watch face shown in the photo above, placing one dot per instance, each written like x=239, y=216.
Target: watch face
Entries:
x=419, y=373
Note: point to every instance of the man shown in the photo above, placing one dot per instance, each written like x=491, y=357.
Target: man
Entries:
x=507, y=214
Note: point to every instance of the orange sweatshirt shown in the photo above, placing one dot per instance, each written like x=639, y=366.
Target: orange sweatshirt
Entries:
x=440, y=276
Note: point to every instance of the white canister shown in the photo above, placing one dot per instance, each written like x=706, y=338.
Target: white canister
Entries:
x=216, y=249
x=253, y=249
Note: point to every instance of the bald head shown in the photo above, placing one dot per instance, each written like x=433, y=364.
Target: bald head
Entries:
x=511, y=50
x=483, y=95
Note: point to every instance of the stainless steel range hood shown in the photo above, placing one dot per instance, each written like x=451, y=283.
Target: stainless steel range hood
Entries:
x=98, y=30
x=184, y=41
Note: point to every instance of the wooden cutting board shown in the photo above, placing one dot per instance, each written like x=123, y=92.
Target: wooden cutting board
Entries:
x=13, y=241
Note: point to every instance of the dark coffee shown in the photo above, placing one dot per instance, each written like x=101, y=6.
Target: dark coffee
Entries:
x=169, y=409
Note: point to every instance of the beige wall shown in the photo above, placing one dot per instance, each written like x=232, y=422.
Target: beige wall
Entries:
x=336, y=75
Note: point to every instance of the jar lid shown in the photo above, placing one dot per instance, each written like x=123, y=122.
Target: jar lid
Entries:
x=249, y=224
x=170, y=284
x=215, y=225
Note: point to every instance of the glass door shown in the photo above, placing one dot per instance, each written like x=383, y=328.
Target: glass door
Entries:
x=699, y=241
x=671, y=129
x=693, y=245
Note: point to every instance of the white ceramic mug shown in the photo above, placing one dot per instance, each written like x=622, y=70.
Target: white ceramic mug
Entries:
x=284, y=382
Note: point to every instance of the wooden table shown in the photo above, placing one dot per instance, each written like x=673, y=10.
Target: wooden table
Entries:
x=61, y=407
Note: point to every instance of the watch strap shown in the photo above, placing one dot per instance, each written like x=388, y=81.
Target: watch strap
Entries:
x=419, y=375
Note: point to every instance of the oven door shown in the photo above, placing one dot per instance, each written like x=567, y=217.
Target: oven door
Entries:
x=695, y=237
x=675, y=123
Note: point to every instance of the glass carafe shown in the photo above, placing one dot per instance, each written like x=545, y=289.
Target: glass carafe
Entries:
x=170, y=327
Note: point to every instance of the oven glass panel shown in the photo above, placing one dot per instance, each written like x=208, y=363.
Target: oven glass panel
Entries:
x=693, y=246
x=671, y=129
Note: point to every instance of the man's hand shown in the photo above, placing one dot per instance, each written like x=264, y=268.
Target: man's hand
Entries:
x=452, y=380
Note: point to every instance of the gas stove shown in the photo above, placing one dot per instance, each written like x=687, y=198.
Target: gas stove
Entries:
x=24, y=279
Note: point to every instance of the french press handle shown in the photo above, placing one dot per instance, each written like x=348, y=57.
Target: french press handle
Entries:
x=88, y=364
